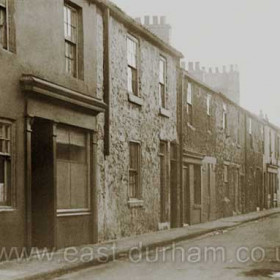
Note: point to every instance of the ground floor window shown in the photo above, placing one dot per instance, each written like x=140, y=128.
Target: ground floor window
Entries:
x=134, y=170
x=5, y=164
x=73, y=173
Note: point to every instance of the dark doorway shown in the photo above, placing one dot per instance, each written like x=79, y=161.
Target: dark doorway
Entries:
x=42, y=193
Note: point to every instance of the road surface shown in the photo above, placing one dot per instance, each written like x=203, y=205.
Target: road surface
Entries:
x=250, y=251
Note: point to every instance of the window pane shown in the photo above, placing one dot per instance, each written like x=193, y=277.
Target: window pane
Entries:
x=3, y=28
x=5, y=180
x=131, y=53
x=208, y=104
x=62, y=151
x=162, y=71
x=132, y=184
x=129, y=79
x=134, y=156
x=63, y=185
x=79, y=186
x=189, y=93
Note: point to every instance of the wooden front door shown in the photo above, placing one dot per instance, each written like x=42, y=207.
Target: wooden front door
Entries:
x=208, y=192
x=73, y=192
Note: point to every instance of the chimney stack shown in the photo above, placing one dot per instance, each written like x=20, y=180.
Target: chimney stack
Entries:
x=159, y=27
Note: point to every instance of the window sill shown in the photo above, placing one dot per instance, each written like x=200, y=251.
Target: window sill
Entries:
x=191, y=127
x=135, y=203
x=135, y=99
x=164, y=112
x=6, y=209
x=196, y=206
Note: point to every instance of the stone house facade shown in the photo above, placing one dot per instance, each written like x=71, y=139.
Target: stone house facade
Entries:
x=229, y=158
x=103, y=135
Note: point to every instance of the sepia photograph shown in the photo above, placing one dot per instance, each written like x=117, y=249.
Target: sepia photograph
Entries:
x=139, y=139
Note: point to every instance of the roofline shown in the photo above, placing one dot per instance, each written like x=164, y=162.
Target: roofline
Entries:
x=196, y=80
x=135, y=26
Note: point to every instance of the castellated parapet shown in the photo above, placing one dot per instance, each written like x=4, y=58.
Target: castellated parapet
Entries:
x=225, y=80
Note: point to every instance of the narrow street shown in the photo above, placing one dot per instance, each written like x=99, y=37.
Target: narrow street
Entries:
x=245, y=252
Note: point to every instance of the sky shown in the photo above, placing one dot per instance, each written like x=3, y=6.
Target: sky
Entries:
x=224, y=32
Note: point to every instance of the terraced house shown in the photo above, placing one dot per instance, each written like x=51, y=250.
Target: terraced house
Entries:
x=103, y=135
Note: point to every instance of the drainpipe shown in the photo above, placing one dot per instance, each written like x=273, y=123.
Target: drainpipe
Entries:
x=107, y=77
x=246, y=166
x=181, y=90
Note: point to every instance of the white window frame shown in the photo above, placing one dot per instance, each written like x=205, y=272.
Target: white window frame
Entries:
x=162, y=81
x=132, y=63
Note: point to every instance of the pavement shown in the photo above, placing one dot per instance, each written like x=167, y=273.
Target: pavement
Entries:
x=46, y=265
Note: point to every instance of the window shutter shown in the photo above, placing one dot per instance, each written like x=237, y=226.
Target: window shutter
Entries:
x=11, y=25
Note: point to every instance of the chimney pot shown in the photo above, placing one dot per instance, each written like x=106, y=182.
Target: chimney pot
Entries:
x=147, y=20
x=155, y=20
x=190, y=66
x=183, y=64
x=163, y=20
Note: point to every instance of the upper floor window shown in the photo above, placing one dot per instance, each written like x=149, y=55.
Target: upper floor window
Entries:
x=238, y=129
x=189, y=104
x=7, y=26
x=73, y=40
x=278, y=147
x=225, y=173
x=250, y=133
x=162, y=82
x=134, y=170
x=5, y=164
x=208, y=103
x=3, y=26
x=263, y=135
x=132, y=73
x=270, y=142
x=225, y=123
